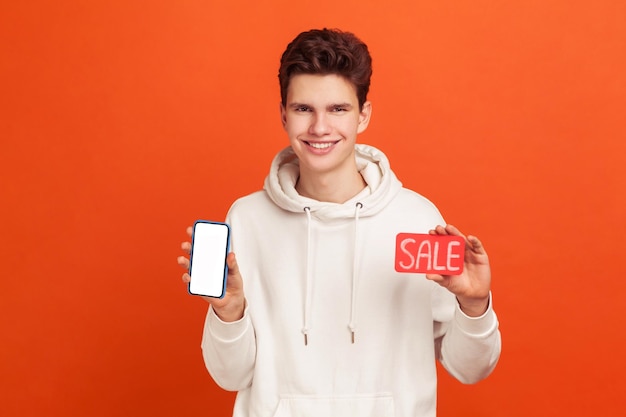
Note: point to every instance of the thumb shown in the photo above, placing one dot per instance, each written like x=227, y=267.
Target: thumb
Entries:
x=231, y=261
x=234, y=282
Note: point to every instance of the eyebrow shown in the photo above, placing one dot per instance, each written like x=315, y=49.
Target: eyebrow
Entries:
x=330, y=106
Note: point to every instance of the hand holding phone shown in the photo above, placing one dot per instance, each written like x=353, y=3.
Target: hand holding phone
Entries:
x=210, y=242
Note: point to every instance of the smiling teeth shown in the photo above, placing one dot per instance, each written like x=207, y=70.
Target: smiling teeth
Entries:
x=321, y=145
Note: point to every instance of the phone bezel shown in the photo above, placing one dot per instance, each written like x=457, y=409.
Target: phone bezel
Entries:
x=225, y=275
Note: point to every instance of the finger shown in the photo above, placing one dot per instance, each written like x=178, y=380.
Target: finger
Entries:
x=438, y=277
x=189, y=231
x=438, y=230
x=186, y=246
x=476, y=245
x=433, y=277
x=452, y=230
x=182, y=261
x=186, y=278
x=442, y=280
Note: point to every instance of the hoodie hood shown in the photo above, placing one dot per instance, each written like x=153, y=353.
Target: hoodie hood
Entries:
x=372, y=164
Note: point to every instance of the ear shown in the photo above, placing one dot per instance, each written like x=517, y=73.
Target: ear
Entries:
x=283, y=115
x=364, y=117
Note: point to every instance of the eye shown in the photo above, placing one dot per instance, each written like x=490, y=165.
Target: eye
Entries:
x=337, y=109
x=301, y=109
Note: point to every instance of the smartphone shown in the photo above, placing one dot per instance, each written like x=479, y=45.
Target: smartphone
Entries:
x=210, y=242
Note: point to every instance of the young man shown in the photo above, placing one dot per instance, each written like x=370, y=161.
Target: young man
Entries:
x=316, y=321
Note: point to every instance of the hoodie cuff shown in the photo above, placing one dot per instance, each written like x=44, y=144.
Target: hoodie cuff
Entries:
x=477, y=326
x=227, y=331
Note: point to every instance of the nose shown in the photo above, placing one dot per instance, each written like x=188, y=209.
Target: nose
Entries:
x=320, y=125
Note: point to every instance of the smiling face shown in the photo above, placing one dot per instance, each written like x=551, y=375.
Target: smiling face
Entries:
x=322, y=119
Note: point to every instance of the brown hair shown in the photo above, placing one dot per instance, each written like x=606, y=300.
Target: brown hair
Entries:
x=327, y=51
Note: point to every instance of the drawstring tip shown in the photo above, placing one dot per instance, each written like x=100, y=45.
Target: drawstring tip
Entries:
x=306, y=340
x=352, y=337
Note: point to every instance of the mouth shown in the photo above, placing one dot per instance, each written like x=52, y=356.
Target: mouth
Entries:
x=321, y=145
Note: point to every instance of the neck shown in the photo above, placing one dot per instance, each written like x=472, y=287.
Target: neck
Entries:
x=330, y=188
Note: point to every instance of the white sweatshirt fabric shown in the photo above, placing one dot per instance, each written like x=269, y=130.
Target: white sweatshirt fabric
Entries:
x=330, y=328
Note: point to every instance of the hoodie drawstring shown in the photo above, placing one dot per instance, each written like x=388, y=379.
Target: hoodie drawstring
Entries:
x=309, y=282
x=355, y=275
x=309, y=290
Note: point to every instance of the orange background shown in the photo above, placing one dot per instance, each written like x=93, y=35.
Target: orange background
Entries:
x=121, y=122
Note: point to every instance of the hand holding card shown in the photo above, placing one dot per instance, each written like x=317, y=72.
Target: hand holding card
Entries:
x=472, y=285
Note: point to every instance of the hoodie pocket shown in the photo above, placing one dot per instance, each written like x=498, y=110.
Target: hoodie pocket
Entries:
x=374, y=405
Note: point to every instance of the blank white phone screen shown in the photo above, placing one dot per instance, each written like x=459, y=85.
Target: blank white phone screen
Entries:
x=208, y=259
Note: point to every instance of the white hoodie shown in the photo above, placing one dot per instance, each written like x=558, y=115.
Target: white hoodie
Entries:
x=330, y=328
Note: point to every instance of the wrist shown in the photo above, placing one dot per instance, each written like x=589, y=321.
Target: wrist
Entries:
x=473, y=307
x=230, y=313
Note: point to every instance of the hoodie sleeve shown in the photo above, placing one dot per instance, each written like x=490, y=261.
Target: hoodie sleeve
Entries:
x=229, y=351
x=467, y=347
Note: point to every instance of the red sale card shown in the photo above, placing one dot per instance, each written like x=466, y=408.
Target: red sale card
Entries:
x=429, y=254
